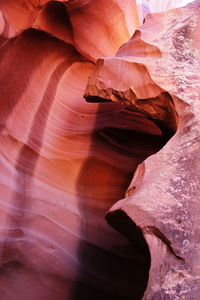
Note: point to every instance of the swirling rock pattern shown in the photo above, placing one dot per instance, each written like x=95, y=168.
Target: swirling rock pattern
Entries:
x=87, y=95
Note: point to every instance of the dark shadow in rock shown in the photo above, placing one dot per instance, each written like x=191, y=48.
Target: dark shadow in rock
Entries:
x=119, y=269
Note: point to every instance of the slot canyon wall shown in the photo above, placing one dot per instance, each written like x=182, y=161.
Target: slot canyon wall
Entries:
x=99, y=150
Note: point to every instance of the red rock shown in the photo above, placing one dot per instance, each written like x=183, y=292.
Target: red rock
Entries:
x=100, y=27
x=18, y=15
x=66, y=162
x=163, y=203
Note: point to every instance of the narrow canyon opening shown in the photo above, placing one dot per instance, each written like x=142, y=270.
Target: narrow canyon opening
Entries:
x=115, y=263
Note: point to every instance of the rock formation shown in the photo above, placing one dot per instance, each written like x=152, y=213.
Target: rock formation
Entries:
x=99, y=174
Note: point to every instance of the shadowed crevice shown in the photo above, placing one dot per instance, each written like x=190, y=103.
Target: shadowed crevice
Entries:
x=124, y=224
x=122, y=273
x=160, y=110
x=133, y=261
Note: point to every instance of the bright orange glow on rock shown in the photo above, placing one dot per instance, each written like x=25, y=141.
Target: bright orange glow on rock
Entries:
x=99, y=150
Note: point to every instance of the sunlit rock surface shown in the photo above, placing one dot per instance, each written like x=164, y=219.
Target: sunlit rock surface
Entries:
x=99, y=116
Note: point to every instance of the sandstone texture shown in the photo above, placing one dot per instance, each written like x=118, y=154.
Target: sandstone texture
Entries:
x=99, y=150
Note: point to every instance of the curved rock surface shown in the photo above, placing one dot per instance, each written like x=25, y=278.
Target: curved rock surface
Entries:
x=164, y=203
x=66, y=161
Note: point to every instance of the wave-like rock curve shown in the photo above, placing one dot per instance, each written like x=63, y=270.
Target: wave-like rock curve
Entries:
x=66, y=160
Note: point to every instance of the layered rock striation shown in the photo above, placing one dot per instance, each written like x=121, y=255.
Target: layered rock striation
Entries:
x=99, y=174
